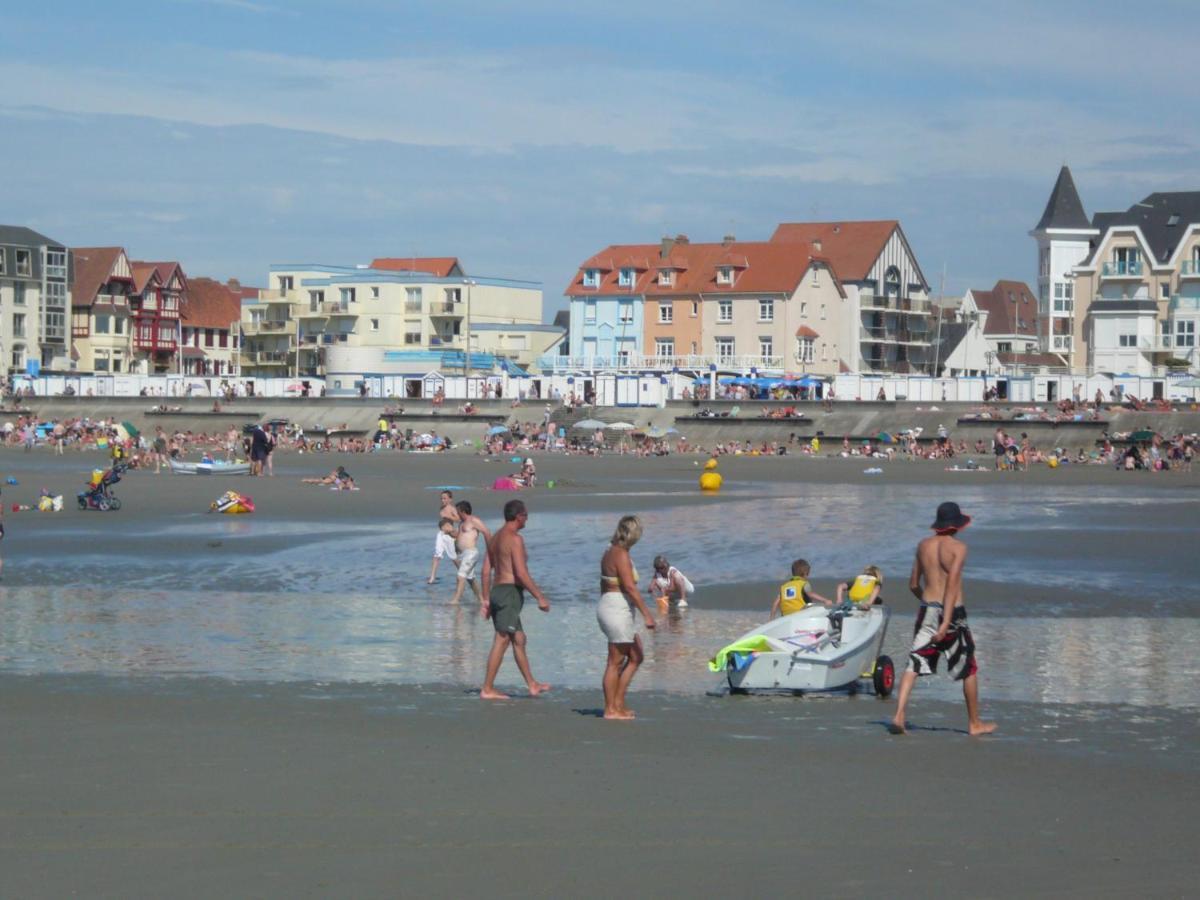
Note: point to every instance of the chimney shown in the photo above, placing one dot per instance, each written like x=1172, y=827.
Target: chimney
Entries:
x=668, y=244
x=727, y=240
x=233, y=284
x=681, y=239
x=817, y=245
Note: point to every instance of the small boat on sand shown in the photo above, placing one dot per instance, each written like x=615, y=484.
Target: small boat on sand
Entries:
x=213, y=467
x=816, y=649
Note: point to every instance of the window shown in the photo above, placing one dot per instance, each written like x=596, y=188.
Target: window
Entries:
x=589, y=311
x=347, y=295
x=724, y=310
x=100, y=362
x=209, y=334
x=766, y=347
x=822, y=310
x=1126, y=261
x=1044, y=262
x=1185, y=333
x=18, y=325
x=1164, y=290
x=374, y=324
x=24, y=263
x=625, y=313
x=803, y=309
x=56, y=325
x=222, y=338
x=1063, y=296
x=724, y=275
x=374, y=292
x=824, y=351
x=666, y=312
x=724, y=349
x=666, y=278
x=804, y=350
x=625, y=278
x=412, y=300
x=695, y=308
x=624, y=353
x=18, y=357
x=664, y=347
x=285, y=283
x=116, y=362
x=118, y=324
x=315, y=299
x=591, y=278
x=766, y=312
x=1004, y=347
x=412, y=332
x=56, y=263
x=3, y=255
x=1127, y=340
x=103, y=325
x=816, y=277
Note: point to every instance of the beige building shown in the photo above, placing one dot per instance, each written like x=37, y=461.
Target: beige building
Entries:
x=35, y=300
x=101, y=317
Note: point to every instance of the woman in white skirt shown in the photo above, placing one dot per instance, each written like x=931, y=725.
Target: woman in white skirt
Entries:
x=619, y=595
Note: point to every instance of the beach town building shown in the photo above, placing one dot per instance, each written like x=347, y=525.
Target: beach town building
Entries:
x=1124, y=287
x=158, y=296
x=1008, y=317
x=35, y=300
x=961, y=347
x=210, y=329
x=101, y=315
x=413, y=318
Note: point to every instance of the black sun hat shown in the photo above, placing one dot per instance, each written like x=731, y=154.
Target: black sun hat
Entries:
x=950, y=517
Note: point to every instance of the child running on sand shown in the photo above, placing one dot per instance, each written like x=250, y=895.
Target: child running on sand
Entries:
x=669, y=585
x=443, y=545
x=863, y=589
x=795, y=593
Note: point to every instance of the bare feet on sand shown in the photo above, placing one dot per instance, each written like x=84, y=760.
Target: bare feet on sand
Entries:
x=975, y=729
x=621, y=714
x=538, y=688
x=492, y=695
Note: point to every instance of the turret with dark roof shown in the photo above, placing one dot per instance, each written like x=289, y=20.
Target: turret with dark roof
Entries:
x=1064, y=209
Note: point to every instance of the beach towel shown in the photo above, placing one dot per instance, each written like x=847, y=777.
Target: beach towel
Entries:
x=755, y=644
x=505, y=484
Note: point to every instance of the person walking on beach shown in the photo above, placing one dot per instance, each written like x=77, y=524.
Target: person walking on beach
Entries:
x=619, y=595
x=448, y=510
x=941, y=631
x=469, y=531
x=509, y=566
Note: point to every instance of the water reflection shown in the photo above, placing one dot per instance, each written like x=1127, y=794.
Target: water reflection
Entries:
x=421, y=640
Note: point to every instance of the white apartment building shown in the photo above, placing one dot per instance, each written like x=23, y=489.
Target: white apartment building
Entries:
x=35, y=300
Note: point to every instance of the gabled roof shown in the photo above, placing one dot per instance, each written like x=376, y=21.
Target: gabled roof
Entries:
x=952, y=334
x=1064, y=209
x=143, y=274
x=167, y=269
x=761, y=267
x=850, y=247
x=1011, y=307
x=24, y=237
x=93, y=268
x=1154, y=216
x=211, y=304
x=437, y=266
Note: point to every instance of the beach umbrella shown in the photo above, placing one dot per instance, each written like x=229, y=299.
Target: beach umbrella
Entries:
x=131, y=429
x=590, y=424
x=1144, y=435
x=621, y=426
x=656, y=432
x=497, y=429
x=884, y=437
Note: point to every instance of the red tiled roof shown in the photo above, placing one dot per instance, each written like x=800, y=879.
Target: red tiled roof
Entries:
x=766, y=266
x=805, y=332
x=165, y=270
x=437, y=266
x=1011, y=307
x=211, y=304
x=142, y=273
x=92, y=270
x=850, y=247
x=1030, y=359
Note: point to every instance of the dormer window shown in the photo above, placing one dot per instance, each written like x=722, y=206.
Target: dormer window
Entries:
x=725, y=275
x=591, y=278
x=625, y=278
x=666, y=277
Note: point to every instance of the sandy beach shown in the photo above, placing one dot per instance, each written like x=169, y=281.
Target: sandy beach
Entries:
x=132, y=771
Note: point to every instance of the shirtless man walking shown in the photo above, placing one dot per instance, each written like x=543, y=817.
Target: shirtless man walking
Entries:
x=503, y=603
x=469, y=530
x=941, y=631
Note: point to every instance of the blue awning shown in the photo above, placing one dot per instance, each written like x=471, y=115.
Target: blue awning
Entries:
x=512, y=369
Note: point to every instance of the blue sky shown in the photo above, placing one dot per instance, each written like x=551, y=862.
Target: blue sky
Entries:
x=522, y=137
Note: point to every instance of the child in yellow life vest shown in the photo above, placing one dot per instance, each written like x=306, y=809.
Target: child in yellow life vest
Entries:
x=864, y=589
x=795, y=593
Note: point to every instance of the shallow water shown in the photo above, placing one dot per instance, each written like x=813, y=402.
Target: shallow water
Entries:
x=424, y=640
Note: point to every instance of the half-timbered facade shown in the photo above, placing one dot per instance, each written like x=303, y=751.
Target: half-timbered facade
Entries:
x=101, y=322
x=159, y=291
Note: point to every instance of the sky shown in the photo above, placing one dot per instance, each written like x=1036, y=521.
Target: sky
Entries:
x=525, y=136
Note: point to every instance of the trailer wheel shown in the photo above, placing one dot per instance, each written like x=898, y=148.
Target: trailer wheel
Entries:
x=885, y=676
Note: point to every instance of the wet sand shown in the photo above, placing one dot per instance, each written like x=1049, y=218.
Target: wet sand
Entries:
x=196, y=787
x=178, y=788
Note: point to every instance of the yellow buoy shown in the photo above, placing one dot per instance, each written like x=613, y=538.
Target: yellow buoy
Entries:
x=711, y=464
x=711, y=482
x=1052, y=462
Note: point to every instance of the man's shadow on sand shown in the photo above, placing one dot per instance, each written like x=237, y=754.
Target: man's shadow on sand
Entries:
x=886, y=725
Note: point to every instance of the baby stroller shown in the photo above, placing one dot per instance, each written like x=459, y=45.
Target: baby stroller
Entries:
x=98, y=494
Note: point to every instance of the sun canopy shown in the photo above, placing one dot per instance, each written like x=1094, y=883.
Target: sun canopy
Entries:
x=590, y=424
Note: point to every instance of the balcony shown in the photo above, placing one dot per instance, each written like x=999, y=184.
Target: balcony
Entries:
x=629, y=361
x=1190, y=269
x=911, y=305
x=1131, y=268
x=274, y=296
x=269, y=357
x=877, y=335
x=443, y=308
x=152, y=344
x=1060, y=343
x=413, y=307
x=1185, y=304
x=441, y=341
x=338, y=338
x=324, y=310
